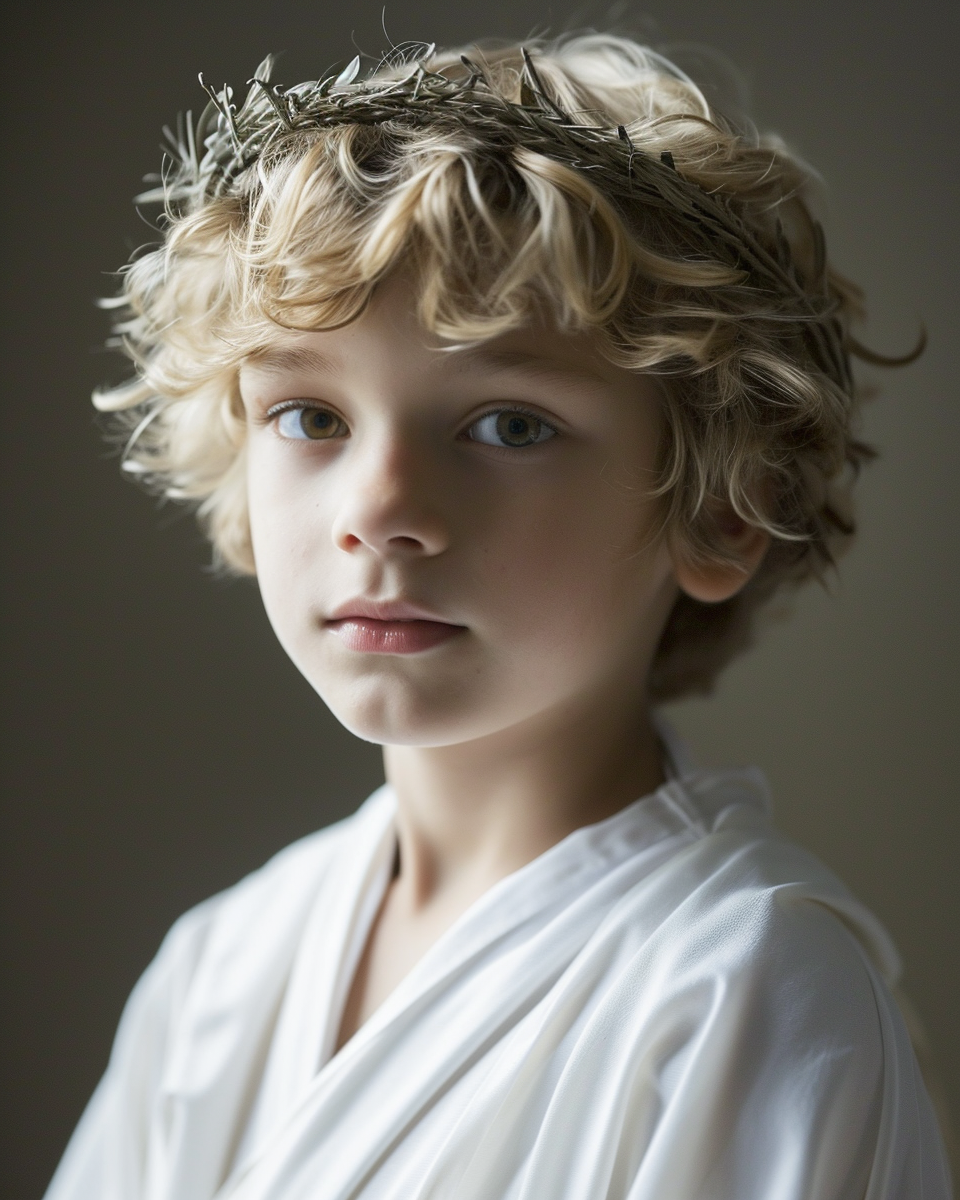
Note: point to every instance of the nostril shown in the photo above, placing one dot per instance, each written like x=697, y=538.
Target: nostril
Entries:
x=401, y=541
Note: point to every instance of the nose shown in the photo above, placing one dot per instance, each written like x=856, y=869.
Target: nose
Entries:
x=388, y=502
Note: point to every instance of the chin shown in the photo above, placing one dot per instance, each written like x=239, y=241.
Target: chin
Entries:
x=403, y=729
x=393, y=713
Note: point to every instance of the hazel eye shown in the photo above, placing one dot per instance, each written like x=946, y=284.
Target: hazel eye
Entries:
x=510, y=427
x=317, y=424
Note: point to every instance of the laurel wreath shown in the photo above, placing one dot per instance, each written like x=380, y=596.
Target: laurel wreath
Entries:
x=205, y=158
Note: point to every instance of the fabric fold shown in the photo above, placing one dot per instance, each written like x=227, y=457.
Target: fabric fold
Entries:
x=673, y=1002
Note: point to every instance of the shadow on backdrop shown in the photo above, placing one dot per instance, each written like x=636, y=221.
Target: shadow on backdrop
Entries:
x=159, y=743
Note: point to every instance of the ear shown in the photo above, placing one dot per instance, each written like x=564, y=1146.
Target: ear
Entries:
x=713, y=580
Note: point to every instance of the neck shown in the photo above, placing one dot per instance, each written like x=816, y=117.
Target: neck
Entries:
x=472, y=813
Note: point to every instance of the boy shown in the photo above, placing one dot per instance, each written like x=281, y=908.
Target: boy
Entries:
x=520, y=383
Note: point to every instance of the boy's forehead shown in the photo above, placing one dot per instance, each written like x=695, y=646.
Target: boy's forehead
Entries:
x=390, y=325
x=528, y=352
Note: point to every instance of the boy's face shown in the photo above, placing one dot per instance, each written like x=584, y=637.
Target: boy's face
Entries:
x=452, y=543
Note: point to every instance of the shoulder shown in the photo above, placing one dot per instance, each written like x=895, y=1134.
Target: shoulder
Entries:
x=262, y=914
x=233, y=952
x=758, y=999
x=740, y=884
x=798, y=960
x=225, y=957
x=281, y=886
x=750, y=948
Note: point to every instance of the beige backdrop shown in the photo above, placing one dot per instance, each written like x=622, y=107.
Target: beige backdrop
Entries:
x=160, y=745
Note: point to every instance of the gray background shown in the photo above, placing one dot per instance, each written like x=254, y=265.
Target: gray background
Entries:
x=160, y=745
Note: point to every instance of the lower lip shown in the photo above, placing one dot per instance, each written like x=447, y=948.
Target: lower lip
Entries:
x=392, y=637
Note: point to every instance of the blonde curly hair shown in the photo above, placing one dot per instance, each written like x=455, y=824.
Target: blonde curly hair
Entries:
x=590, y=180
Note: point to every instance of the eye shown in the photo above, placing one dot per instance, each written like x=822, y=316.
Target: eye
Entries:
x=317, y=424
x=510, y=427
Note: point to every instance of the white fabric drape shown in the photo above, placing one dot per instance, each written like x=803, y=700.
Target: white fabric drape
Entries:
x=673, y=1004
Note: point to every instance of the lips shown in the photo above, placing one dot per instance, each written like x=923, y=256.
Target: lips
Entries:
x=389, y=627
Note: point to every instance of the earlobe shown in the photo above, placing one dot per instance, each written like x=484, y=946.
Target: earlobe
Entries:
x=712, y=581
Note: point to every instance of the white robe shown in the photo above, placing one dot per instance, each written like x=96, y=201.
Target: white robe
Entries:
x=673, y=1004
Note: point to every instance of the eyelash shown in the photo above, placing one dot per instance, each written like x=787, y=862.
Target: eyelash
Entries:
x=290, y=405
x=274, y=413
x=277, y=410
x=519, y=410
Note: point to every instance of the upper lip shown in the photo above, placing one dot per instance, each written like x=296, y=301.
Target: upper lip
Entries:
x=384, y=610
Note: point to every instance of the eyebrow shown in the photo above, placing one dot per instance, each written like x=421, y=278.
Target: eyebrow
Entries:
x=533, y=365
x=280, y=360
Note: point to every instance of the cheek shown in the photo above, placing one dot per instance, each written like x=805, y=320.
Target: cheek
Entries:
x=282, y=529
x=573, y=563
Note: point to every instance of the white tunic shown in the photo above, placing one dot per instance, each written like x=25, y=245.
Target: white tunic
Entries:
x=673, y=1004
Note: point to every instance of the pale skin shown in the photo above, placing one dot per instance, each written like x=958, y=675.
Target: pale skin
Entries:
x=379, y=473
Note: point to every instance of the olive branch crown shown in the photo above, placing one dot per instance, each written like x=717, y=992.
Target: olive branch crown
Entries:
x=203, y=160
